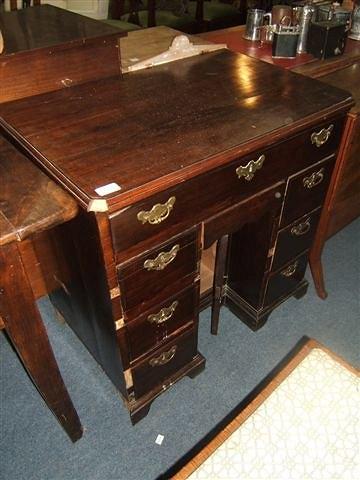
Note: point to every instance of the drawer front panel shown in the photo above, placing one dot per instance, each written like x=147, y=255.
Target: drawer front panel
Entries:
x=156, y=277
x=158, y=367
x=307, y=190
x=286, y=280
x=153, y=328
x=205, y=195
x=165, y=253
x=295, y=239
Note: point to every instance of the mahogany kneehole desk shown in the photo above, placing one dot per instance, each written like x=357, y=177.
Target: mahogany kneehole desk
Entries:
x=216, y=148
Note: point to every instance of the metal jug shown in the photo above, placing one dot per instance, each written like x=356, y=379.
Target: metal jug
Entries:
x=254, y=20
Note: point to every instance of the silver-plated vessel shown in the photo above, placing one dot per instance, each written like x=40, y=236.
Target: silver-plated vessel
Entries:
x=254, y=20
x=306, y=15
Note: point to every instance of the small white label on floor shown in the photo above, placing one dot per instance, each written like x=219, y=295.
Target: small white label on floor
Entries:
x=159, y=439
x=106, y=189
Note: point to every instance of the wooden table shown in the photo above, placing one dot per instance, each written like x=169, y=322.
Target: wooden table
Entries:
x=342, y=203
x=31, y=204
x=42, y=56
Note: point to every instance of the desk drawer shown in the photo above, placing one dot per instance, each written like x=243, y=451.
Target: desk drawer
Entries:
x=296, y=238
x=306, y=191
x=155, y=327
x=165, y=362
x=203, y=196
x=149, y=277
x=286, y=280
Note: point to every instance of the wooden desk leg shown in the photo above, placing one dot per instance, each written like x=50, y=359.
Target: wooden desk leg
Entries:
x=26, y=330
x=220, y=263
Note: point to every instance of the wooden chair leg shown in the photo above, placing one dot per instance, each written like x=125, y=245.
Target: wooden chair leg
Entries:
x=27, y=332
x=219, y=272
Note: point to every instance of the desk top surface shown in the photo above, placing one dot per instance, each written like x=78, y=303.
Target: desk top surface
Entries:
x=29, y=200
x=155, y=128
x=47, y=26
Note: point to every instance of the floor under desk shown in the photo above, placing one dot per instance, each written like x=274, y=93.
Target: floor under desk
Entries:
x=238, y=359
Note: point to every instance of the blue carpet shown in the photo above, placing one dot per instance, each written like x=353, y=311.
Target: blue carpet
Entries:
x=33, y=446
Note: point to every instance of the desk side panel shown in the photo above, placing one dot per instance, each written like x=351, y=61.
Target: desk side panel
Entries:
x=84, y=300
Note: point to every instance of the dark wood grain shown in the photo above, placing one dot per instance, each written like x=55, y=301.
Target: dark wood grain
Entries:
x=296, y=238
x=85, y=299
x=208, y=194
x=30, y=205
x=146, y=376
x=231, y=220
x=249, y=253
x=44, y=262
x=311, y=196
x=144, y=336
x=30, y=201
x=145, y=128
x=141, y=287
x=44, y=56
x=283, y=282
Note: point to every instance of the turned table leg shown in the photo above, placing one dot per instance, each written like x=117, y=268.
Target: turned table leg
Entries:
x=27, y=332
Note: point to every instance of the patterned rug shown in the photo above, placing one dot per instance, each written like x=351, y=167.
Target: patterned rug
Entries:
x=303, y=425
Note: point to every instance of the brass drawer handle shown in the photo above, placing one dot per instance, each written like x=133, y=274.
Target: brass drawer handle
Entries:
x=158, y=213
x=162, y=260
x=301, y=228
x=319, y=138
x=314, y=179
x=290, y=270
x=249, y=170
x=164, y=314
x=163, y=358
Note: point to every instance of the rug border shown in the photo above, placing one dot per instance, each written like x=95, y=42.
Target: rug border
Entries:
x=207, y=445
